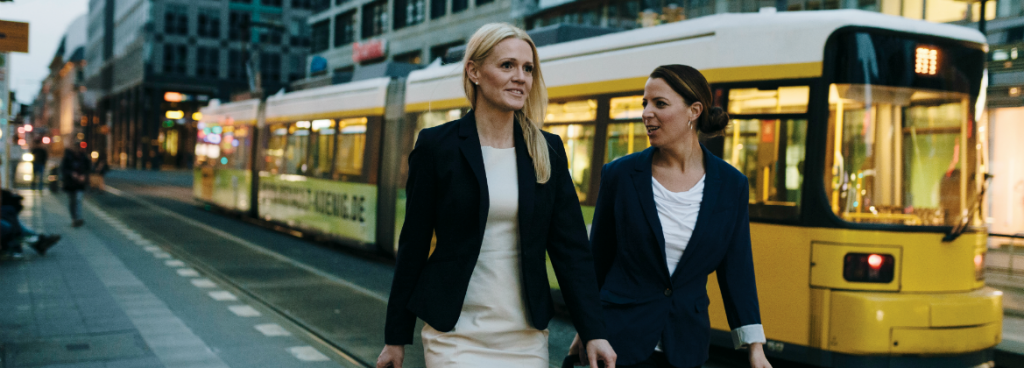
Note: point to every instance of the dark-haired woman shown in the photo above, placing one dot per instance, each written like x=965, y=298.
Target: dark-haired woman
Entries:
x=666, y=218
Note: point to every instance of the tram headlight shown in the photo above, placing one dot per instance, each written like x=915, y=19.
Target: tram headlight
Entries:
x=869, y=267
x=979, y=266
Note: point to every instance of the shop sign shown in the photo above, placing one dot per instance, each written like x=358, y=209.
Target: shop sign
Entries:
x=370, y=50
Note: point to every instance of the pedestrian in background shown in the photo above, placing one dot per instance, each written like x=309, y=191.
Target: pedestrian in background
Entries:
x=666, y=218
x=75, y=175
x=496, y=191
x=99, y=169
x=40, y=156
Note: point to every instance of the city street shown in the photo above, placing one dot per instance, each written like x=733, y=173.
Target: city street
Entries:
x=153, y=280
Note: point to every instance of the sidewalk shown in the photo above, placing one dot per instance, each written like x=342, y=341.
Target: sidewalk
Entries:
x=106, y=297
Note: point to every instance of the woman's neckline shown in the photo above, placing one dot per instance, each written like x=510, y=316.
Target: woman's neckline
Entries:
x=498, y=149
x=699, y=182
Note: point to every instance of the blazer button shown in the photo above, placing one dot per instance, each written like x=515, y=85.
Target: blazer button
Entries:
x=668, y=292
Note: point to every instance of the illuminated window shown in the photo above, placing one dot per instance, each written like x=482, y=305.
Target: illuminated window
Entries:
x=782, y=100
x=563, y=112
x=579, y=147
x=770, y=153
x=351, y=147
x=927, y=61
x=629, y=107
x=624, y=139
x=322, y=151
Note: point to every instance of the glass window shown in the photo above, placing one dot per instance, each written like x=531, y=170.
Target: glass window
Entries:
x=624, y=139
x=208, y=24
x=434, y=118
x=375, y=19
x=438, y=8
x=322, y=150
x=175, y=59
x=207, y=62
x=274, y=154
x=629, y=107
x=345, y=29
x=351, y=147
x=176, y=19
x=270, y=65
x=409, y=12
x=579, y=147
x=900, y=155
x=570, y=111
x=459, y=5
x=239, y=27
x=782, y=100
x=321, y=35
x=297, y=149
x=770, y=152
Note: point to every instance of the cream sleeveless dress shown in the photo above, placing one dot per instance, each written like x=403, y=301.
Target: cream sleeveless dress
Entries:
x=493, y=329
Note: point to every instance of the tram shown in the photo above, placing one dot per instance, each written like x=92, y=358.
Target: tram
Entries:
x=859, y=133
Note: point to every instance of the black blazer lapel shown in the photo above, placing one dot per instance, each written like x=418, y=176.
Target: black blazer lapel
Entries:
x=470, y=147
x=642, y=182
x=527, y=180
x=712, y=189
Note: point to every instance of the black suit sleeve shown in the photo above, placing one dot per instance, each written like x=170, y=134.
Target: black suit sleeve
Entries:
x=602, y=229
x=413, y=242
x=736, y=272
x=570, y=256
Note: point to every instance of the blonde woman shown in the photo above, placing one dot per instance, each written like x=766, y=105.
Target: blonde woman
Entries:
x=496, y=191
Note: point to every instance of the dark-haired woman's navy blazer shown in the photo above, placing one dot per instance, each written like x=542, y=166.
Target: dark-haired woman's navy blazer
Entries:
x=447, y=196
x=643, y=302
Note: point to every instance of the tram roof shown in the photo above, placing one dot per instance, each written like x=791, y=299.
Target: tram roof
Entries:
x=362, y=98
x=240, y=112
x=728, y=47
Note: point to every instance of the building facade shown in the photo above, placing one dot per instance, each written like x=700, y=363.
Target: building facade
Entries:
x=62, y=107
x=154, y=63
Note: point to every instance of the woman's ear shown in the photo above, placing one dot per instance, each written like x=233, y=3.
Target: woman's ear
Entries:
x=471, y=70
x=696, y=108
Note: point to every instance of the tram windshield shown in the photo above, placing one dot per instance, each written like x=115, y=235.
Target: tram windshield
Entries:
x=903, y=147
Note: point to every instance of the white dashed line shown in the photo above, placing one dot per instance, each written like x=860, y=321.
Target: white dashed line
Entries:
x=161, y=255
x=203, y=283
x=244, y=311
x=308, y=354
x=153, y=248
x=272, y=329
x=143, y=242
x=222, y=295
x=174, y=263
x=187, y=272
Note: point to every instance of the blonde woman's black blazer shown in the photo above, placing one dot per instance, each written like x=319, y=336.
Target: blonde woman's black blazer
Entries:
x=447, y=195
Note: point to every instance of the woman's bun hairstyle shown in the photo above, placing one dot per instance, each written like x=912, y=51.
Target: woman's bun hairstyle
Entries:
x=691, y=84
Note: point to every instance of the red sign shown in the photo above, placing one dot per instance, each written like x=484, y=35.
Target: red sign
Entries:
x=370, y=50
x=767, y=131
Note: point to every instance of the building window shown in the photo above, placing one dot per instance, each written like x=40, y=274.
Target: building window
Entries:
x=320, y=5
x=459, y=5
x=375, y=19
x=270, y=66
x=298, y=32
x=275, y=3
x=302, y=4
x=209, y=23
x=345, y=29
x=409, y=12
x=298, y=68
x=208, y=62
x=270, y=35
x=242, y=1
x=441, y=51
x=321, y=35
x=411, y=57
x=437, y=8
x=236, y=64
x=482, y=2
x=239, y=26
x=175, y=59
x=176, y=19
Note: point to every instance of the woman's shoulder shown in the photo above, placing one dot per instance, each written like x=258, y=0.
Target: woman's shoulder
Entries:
x=435, y=135
x=728, y=174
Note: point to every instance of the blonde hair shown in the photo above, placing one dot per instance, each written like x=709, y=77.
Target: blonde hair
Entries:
x=531, y=117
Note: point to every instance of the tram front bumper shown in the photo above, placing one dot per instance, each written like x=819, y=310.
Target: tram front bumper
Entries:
x=918, y=324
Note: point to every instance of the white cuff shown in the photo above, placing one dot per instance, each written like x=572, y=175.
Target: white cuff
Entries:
x=747, y=335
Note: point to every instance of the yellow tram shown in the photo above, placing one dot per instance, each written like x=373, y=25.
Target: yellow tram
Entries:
x=858, y=131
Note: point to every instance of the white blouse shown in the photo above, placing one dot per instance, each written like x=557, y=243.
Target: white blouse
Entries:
x=678, y=215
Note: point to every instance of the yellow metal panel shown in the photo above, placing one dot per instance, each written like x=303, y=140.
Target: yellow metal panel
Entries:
x=373, y=111
x=861, y=322
x=975, y=308
x=821, y=300
x=13, y=36
x=827, y=266
x=454, y=103
x=945, y=340
x=931, y=265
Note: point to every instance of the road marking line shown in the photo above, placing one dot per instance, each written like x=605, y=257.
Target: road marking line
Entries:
x=153, y=249
x=272, y=329
x=187, y=272
x=161, y=255
x=222, y=295
x=308, y=354
x=143, y=242
x=174, y=263
x=380, y=297
x=244, y=311
x=203, y=283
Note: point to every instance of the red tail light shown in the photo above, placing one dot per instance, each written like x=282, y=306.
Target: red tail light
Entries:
x=869, y=267
x=979, y=266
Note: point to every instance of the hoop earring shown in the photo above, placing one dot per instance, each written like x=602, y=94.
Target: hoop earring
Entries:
x=691, y=124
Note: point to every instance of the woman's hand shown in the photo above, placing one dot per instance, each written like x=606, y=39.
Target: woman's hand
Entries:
x=600, y=349
x=391, y=357
x=577, y=349
x=757, y=358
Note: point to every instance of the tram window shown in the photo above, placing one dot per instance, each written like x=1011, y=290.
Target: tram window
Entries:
x=624, y=139
x=900, y=155
x=579, y=147
x=351, y=147
x=571, y=111
x=770, y=152
x=430, y=119
x=323, y=132
x=297, y=148
x=274, y=154
x=629, y=107
x=781, y=100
